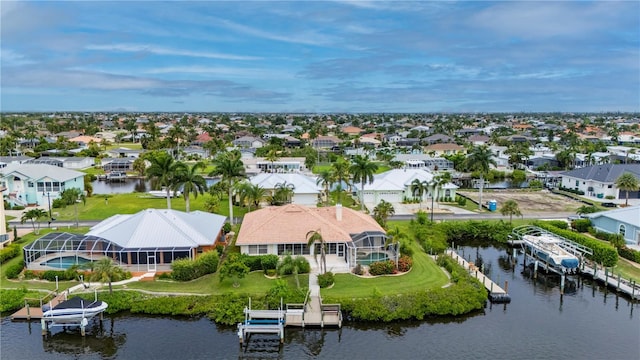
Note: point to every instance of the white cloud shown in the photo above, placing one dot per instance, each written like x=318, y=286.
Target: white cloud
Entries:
x=159, y=50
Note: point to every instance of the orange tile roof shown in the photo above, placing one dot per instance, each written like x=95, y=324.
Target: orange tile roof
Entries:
x=290, y=224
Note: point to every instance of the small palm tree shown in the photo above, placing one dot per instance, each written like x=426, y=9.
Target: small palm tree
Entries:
x=288, y=265
x=341, y=175
x=326, y=179
x=394, y=236
x=272, y=156
x=282, y=194
x=480, y=160
x=510, y=207
x=382, y=212
x=627, y=182
x=189, y=179
x=419, y=188
x=34, y=215
x=586, y=209
x=105, y=270
x=314, y=237
x=229, y=166
x=164, y=170
x=362, y=171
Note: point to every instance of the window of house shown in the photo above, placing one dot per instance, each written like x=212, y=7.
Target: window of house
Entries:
x=622, y=230
x=40, y=186
x=30, y=184
x=609, y=187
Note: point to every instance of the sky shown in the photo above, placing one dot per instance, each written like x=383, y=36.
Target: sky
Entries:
x=320, y=56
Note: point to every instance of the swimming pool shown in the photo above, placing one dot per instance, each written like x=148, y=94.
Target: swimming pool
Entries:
x=372, y=257
x=65, y=262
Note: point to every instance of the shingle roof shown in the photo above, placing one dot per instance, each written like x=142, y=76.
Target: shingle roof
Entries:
x=39, y=171
x=290, y=224
x=606, y=173
x=152, y=228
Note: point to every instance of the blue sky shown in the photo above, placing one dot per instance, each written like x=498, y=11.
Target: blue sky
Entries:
x=320, y=56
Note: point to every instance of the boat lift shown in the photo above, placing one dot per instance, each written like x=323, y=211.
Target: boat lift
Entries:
x=82, y=321
x=261, y=322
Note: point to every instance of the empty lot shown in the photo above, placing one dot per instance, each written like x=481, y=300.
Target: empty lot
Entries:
x=529, y=202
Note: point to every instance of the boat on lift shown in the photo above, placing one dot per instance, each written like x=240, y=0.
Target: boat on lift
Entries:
x=163, y=193
x=73, y=311
x=549, y=250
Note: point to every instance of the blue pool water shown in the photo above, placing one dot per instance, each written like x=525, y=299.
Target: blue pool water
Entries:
x=372, y=257
x=65, y=262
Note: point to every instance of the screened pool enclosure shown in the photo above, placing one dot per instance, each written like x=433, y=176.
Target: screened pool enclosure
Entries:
x=56, y=251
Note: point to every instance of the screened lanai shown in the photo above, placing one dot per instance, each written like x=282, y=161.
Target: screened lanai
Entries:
x=370, y=246
x=62, y=250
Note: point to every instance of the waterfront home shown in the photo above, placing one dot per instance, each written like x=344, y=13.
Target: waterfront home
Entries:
x=248, y=142
x=305, y=189
x=623, y=221
x=442, y=149
x=147, y=241
x=600, y=180
x=350, y=237
x=37, y=184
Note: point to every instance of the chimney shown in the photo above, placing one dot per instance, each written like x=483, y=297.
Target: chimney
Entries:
x=339, y=212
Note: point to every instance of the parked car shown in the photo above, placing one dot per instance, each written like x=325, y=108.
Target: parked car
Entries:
x=609, y=204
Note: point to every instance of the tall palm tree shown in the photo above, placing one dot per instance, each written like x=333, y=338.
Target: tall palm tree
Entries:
x=249, y=193
x=341, y=175
x=382, y=212
x=510, y=207
x=272, y=156
x=189, y=179
x=34, y=215
x=419, y=188
x=480, y=160
x=105, y=270
x=229, y=166
x=394, y=236
x=326, y=179
x=362, y=170
x=283, y=192
x=627, y=182
x=314, y=237
x=164, y=170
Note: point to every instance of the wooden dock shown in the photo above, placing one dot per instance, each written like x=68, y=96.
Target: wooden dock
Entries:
x=35, y=312
x=496, y=293
x=625, y=286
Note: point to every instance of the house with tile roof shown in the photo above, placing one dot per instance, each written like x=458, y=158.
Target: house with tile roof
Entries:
x=442, y=149
x=305, y=189
x=600, y=180
x=350, y=236
x=623, y=221
x=147, y=241
x=37, y=184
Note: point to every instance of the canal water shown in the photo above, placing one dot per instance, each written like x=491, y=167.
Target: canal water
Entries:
x=587, y=322
x=130, y=185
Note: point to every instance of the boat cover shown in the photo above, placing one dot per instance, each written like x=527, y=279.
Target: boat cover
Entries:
x=570, y=263
x=77, y=303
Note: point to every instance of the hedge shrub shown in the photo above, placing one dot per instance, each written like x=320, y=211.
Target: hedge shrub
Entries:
x=326, y=279
x=187, y=269
x=14, y=270
x=581, y=225
x=382, y=267
x=604, y=254
x=629, y=254
x=468, y=232
x=269, y=262
x=9, y=252
x=405, y=263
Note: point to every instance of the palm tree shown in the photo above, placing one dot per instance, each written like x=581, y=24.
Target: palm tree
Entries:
x=164, y=170
x=272, y=156
x=250, y=193
x=627, y=182
x=479, y=160
x=341, y=175
x=393, y=239
x=189, y=179
x=105, y=270
x=326, y=179
x=282, y=194
x=229, y=166
x=34, y=215
x=586, y=209
x=314, y=237
x=289, y=265
x=418, y=188
x=510, y=207
x=382, y=212
x=362, y=171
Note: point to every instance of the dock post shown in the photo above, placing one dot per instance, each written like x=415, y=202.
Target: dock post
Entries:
x=618, y=287
x=26, y=305
x=506, y=286
x=491, y=291
x=606, y=276
x=633, y=289
x=535, y=269
x=595, y=269
x=43, y=322
x=562, y=284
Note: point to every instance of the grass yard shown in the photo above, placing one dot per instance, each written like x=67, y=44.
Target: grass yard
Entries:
x=627, y=269
x=254, y=283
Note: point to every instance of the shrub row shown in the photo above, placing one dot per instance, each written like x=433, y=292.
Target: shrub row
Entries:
x=629, y=254
x=470, y=232
x=325, y=280
x=260, y=262
x=14, y=270
x=187, y=269
x=581, y=225
x=570, y=190
x=11, y=299
x=382, y=267
x=405, y=263
x=604, y=254
x=9, y=252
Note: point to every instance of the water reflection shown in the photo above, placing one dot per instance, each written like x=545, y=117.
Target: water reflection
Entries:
x=68, y=341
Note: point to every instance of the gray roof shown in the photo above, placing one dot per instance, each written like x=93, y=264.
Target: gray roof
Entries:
x=39, y=171
x=606, y=173
x=629, y=215
x=160, y=228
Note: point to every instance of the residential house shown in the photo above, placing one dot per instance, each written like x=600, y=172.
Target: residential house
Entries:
x=349, y=236
x=248, y=142
x=352, y=130
x=31, y=184
x=305, y=189
x=325, y=142
x=599, y=180
x=623, y=221
x=117, y=164
x=424, y=161
x=437, y=138
x=442, y=149
x=255, y=165
x=125, y=153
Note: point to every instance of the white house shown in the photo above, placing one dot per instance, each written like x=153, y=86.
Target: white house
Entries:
x=305, y=188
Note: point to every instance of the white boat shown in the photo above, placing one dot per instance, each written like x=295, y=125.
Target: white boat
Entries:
x=73, y=311
x=549, y=251
x=163, y=193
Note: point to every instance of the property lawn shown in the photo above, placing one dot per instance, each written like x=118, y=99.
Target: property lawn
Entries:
x=97, y=208
x=254, y=283
x=627, y=269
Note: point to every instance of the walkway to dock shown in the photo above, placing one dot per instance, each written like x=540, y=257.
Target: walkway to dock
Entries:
x=631, y=288
x=496, y=293
x=35, y=312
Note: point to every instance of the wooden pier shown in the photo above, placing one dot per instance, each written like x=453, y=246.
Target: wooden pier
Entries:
x=620, y=284
x=496, y=293
x=35, y=312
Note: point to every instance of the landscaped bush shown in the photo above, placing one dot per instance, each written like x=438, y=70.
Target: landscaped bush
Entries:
x=469, y=232
x=254, y=263
x=9, y=252
x=69, y=274
x=604, y=254
x=432, y=238
x=11, y=299
x=325, y=280
x=382, y=268
x=561, y=224
x=535, y=184
x=570, y=190
x=14, y=270
x=405, y=263
x=462, y=201
x=208, y=262
x=358, y=270
x=629, y=254
x=581, y=225
x=269, y=262
x=187, y=269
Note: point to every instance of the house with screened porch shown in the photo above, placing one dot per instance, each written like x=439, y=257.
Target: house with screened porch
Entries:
x=350, y=237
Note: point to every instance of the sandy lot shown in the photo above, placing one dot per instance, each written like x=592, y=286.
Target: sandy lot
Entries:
x=528, y=201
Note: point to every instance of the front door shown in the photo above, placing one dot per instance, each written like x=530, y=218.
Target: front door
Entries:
x=340, y=250
x=151, y=263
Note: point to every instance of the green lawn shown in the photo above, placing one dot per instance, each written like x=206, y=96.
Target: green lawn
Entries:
x=627, y=270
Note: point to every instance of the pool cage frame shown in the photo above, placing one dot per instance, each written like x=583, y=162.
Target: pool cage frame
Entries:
x=93, y=248
x=369, y=242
